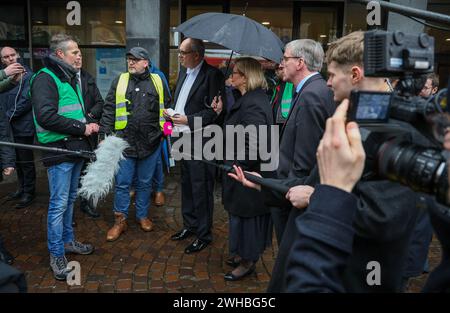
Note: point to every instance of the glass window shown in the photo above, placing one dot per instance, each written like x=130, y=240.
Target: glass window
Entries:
x=319, y=24
x=276, y=15
x=355, y=17
x=102, y=22
x=12, y=21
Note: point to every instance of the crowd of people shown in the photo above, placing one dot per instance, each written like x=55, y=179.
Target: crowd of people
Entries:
x=330, y=224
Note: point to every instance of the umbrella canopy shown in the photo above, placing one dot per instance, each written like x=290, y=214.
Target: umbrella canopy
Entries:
x=235, y=32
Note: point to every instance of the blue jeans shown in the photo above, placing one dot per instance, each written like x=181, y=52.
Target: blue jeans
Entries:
x=158, y=178
x=63, y=186
x=144, y=170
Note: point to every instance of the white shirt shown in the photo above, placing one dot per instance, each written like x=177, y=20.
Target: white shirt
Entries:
x=191, y=76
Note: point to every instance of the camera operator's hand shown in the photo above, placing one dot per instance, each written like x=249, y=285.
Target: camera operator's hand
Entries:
x=239, y=176
x=299, y=196
x=341, y=155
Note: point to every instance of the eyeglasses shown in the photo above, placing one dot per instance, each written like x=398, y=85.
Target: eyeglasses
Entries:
x=284, y=59
x=183, y=53
x=132, y=60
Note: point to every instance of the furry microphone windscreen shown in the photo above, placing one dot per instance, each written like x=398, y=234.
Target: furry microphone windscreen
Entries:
x=99, y=175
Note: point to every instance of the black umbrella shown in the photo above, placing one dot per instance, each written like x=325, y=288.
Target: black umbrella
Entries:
x=235, y=32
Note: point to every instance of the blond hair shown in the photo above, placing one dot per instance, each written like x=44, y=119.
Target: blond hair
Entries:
x=252, y=70
x=348, y=50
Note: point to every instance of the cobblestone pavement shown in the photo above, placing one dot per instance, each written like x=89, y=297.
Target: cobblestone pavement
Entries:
x=137, y=261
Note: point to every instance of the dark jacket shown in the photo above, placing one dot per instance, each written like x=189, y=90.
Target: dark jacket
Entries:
x=44, y=99
x=253, y=108
x=18, y=107
x=6, y=82
x=142, y=132
x=304, y=126
x=206, y=86
x=93, y=101
x=323, y=242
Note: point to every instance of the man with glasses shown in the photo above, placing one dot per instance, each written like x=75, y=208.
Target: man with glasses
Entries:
x=197, y=85
x=300, y=135
x=132, y=111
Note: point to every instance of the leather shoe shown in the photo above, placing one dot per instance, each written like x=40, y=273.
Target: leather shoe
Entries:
x=182, y=234
x=195, y=246
x=231, y=277
x=89, y=210
x=74, y=224
x=160, y=199
x=146, y=224
x=25, y=200
x=14, y=195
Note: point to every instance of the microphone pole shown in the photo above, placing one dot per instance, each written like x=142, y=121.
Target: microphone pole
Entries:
x=81, y=153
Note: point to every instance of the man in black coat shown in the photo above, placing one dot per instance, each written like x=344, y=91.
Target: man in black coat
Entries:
x=93, y=104
x=198, y=83
x=132, y=110
x=61, y=122
x=18, y=111
x=300, y=135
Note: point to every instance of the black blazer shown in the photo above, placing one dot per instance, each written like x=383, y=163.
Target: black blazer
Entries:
x=206, y=86
x=253, y=108
x=93, y=101
x=304, y=127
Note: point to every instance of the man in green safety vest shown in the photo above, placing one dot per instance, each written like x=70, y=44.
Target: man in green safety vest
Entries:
x=133, y=110
x=60, y=121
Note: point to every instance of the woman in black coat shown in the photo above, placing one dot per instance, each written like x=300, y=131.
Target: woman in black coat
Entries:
x=249, y=219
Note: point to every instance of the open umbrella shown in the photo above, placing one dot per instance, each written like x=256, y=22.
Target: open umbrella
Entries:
x=235, y=32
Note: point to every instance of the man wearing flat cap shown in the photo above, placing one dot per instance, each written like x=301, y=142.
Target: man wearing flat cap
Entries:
x=133, y=109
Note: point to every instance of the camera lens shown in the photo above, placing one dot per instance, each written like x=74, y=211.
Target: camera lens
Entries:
x=421, y=169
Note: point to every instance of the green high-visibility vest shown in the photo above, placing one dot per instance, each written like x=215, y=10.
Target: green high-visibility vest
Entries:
x=70, y=105
x=121, y=100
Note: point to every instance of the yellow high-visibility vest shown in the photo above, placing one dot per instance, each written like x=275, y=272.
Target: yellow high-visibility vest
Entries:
x=121, y=100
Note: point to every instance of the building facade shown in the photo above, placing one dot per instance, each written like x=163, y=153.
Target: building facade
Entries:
x=105, y=28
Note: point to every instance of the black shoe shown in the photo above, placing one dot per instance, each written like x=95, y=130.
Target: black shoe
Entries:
x=74, y=224
x=182, y=234
x=25, y=200
x=231, y=277
x=14, y=195
x=89, y=210
x=196, y=246
x=5, y=256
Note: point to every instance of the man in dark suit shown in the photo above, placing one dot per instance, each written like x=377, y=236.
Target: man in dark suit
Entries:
x=93, y=104
x=300, y=136
x=312, y=105
x=197, y=85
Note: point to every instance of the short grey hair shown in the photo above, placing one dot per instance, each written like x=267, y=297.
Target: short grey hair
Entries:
x=311, y=51
x=60, y=42
x=198, y=46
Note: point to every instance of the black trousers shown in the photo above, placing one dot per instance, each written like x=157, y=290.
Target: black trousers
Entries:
x=197, y=197
x=280, y=217
x=26, y=171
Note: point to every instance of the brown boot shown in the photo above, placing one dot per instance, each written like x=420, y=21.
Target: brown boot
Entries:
x=120, y=225
x=146, y=224
x=160, y=199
